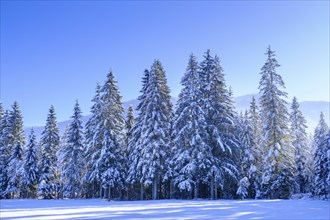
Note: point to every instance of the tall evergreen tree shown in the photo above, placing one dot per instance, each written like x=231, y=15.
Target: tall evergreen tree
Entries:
x=191, y=153
x=93, y=142
x=16, y=143
x=310, y=172
x=321, y=158
x=247, y=185
x=129, y=124
x=152, y=136
x=134, y=173
x=300, y=144
x=255, y=124
x=219, y=110
x=4, y=151
x=278, y=164
x=111, y=130
x=31, y=171
x=50, y=142
x=325, y=146
x=60, y=158
x=72, y=157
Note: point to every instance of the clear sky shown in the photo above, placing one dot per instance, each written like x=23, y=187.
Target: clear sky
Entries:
x=54, y=52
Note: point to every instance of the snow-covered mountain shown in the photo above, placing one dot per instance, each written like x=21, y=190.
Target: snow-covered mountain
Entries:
x=310, y=109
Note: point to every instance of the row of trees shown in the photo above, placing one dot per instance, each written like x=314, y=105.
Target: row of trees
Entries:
x=202, y=148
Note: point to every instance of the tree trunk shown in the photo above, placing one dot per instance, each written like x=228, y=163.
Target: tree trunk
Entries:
x=196, y=190
x=141, y=191
x=93, y=190
x=100, y=191
x=109, y=196
x=154, y=189
x=128, y=191
x=105, y=193
x=212, y=188
x=120, y=194
x=216, y=191
x=171, y=189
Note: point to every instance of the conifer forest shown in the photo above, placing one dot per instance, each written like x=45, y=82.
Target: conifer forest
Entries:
x=198, y=147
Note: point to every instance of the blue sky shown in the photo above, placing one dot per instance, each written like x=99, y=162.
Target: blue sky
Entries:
x=54, y=52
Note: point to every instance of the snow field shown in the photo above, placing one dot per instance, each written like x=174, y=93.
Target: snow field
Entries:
x=164, y=209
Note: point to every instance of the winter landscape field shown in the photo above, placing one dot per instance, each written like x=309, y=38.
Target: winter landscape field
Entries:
x=164, y=209
x=164, y=110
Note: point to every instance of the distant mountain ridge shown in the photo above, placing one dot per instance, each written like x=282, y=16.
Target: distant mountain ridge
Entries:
x=310, y=109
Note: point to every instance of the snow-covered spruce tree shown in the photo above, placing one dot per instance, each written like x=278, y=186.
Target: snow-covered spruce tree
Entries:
x=325, y=145
x=59, y=164
x=232, y=181
x=219, y=111
x=4, y=151
x=300, y=144
x=3, y=154
x=278, y=163
x=321, y=158
x=310, y=172
x=50, y=142
x=248, y=168
x=192, y=156
x=134, y=173
x=30, y=172
x=92, y=177
x=255, y=125
x=129, y=124
x=72, y=156
x=151, y=132
x=111, y=130
x=16, y=143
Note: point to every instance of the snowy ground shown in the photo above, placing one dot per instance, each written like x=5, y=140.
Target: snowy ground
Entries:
x=164, y=209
